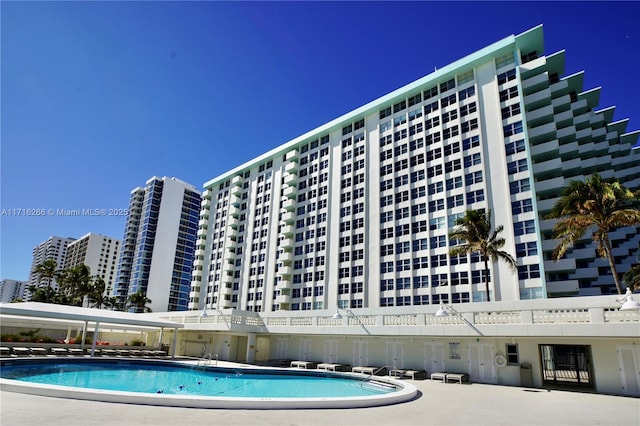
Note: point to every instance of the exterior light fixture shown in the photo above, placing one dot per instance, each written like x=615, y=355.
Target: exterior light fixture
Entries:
x=629, y=304
x=446, y=310
x=204, y=314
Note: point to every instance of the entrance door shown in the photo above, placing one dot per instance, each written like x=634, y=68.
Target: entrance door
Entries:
x=480, y=361
x=629, y=363
x=566, y=365
x=304, y=350
x=330, y=352
x=434, y=360
x=282, y=349
x=262, y=349
x=395, y=355
x=360, y=353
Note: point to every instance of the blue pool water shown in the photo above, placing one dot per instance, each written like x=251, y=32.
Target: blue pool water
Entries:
x=179, y=380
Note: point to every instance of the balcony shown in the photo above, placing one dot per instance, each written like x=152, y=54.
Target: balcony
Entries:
x=285, y=257
x=289, y=204
x=292, y=155
x=290, y=179
x=284, y=271
x=289, y=192
x=291, y=168
x=288, y=217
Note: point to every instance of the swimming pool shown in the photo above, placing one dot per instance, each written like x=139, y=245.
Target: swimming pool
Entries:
x=177, y=384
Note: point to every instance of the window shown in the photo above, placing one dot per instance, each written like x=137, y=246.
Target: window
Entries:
x=413, y=100
x=454, y=182
x=521, y=206
x=517, y=166
x=418, y=209
x=436, y=223
x=434, y=106
x=514, y=147
x=452, y=165
x=511, y=350
x=472, y=160
x=447, y=85
x=417, y=176
x=386, y=284
x=455, y=201
x=420, y=281
x=420, y=226
x=436, y=205
x=399, y=106
x=434, y=154
x=467, y=126
x=526, y=227
x=526, y=272
x=471, y=178
x=475, y=196
x=434, y=188
x=448, y=100
x=526, y=249
x=521, y=185
x=438, y=241
x=416, y=113
x=403, y=265
x=465, y=78
x=385, y=112
x=510, y=111
x=466, y=93
x=429, y=93
x=510, y=93
x=418, y=245
x=507, y=76
x=402, y=247
x=512, y=129
x=438, y=260
x=452, y=148
x=448, y=116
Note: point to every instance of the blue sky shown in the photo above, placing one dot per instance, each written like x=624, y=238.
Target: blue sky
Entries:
x=97, y=97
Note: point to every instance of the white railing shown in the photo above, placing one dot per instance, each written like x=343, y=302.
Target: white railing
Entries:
x=491, y=318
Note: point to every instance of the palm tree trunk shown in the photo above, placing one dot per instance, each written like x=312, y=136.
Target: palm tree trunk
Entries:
x=612, y=264
x=486, y=277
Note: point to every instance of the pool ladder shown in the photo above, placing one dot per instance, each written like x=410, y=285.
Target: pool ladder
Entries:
x=206, y=360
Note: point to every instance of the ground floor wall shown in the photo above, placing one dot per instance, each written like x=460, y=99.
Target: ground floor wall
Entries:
x=606, y=365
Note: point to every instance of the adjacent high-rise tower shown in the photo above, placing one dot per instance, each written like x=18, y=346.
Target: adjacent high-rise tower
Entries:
x=158, y=245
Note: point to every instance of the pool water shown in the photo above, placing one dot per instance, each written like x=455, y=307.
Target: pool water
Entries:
x=160, y=379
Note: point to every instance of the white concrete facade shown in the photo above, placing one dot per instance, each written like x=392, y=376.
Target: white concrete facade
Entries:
x=11, y=290
x=356, y=213
x=99, y=252
x=53, y=248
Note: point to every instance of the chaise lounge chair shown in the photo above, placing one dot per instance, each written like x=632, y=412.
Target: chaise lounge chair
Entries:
x=304, y=364
x=377, y=371
x=334, y=367
x=409, y=374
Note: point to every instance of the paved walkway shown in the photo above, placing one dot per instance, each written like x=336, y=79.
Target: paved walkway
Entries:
x=438, y=404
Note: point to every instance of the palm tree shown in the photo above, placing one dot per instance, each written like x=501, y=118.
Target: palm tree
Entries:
x=474, y=231
x=97, y=297
x=595, y=203
x=632, y=277
x=138, y=301
x=47, y=272
x=76, y=284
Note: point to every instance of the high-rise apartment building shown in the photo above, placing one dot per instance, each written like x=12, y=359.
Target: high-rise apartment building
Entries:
x=357, y=212
x=159, y=242
x=54, y=248
x=11, y=290
x=99, y=252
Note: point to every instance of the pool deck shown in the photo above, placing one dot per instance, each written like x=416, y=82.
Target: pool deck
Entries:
x=439, y=404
